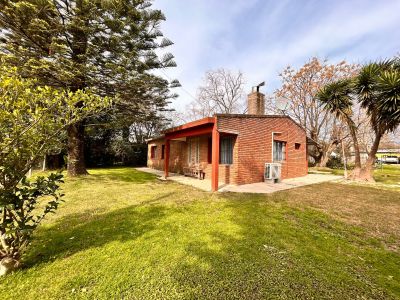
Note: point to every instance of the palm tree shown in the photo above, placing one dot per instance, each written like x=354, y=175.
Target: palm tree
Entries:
x=377, y=89
x=338, y=99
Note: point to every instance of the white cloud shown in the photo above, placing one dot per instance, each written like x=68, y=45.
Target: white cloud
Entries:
x=262, y=37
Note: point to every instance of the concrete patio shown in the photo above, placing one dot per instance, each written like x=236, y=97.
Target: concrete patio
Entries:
x=259, y=187
x=204, y=184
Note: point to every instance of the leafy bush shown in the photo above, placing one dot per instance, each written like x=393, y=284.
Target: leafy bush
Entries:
x=32, y=122
x=335, y=162
x=20, y=215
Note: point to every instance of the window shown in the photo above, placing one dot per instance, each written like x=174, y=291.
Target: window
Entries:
x=226, y=150
x=189, y=152
x=197, y=147
x=153, y=151
x=193, y=151
x=162, y=151
x=297, y=146
x=279, y=151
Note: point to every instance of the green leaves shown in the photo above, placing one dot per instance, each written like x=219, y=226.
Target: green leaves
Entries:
x=22, y=208
x=378, y=89
x=337, y=97
x=107, y=45
x=32, y=123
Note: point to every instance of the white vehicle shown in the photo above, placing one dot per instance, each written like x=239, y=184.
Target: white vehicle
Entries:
x=389, y=159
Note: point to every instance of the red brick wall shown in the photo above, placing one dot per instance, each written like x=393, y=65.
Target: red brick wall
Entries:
x=177, y=151
x=253, y=146
x=252, y=149
x=179, y=157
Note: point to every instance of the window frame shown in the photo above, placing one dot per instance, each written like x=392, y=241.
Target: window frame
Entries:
x=153, y=151
x=282, y=149
x=227, y=157
x=162, y=151
x=194, y=143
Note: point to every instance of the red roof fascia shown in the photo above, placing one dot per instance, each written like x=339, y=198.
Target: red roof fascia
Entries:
x=205, y=121
x=191, y=131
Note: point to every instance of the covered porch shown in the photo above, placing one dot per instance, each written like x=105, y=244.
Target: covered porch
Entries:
x=254, y=188
x=204, y=185
x=204, y=128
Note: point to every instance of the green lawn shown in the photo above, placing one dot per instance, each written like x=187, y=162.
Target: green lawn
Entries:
x=385, y=174
x=123, y=234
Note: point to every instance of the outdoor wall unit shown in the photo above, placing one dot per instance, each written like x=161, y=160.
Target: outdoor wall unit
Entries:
x=272, y=172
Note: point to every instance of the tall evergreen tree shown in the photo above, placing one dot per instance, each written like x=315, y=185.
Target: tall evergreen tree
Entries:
x=107, y=45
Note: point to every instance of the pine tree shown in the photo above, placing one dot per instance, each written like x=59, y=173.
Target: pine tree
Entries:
x=108, y=46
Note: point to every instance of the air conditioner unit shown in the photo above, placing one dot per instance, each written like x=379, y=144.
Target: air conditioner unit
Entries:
x=272, y=172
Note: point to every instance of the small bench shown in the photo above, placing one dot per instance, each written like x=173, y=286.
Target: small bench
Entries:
x=194, y=172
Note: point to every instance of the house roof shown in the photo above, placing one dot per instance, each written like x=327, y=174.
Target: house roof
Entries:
x=211, y=120
x=204, y=121
x=259, y=116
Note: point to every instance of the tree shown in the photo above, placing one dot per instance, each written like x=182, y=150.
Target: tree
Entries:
x=108, y=46
x=336, y=98
x=377, y=89
x=32, y=119
x=299, y=89
x=221, y=92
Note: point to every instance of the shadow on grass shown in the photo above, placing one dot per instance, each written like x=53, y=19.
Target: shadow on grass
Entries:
x=279, y=253
x=123, y=174
x=78, y=232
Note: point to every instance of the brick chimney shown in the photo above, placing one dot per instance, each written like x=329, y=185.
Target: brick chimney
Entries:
x=256, y=103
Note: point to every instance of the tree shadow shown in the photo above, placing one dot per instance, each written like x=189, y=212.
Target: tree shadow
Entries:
x=129, y=175
x=278, y=252
x=89, y=229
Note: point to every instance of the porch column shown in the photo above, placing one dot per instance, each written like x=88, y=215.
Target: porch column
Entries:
x=215, y=158
x=166, y=158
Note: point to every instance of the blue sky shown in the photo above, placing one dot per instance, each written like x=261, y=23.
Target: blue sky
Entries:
x=260, y=38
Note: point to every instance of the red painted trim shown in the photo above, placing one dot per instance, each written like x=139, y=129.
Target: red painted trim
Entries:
x=215, y=159
x=166, y=160
x=205, y=121
x=190, y=132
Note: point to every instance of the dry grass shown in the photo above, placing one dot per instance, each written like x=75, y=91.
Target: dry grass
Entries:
x=377, y=211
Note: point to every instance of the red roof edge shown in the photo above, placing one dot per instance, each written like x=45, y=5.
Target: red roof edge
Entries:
x=204, y=121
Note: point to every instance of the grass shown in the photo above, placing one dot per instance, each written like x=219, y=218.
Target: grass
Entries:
x=123, y=234
x=386, y=174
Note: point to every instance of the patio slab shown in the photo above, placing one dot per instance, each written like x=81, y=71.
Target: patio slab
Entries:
x=267, y=188
x=204, y=184
x=259, y=187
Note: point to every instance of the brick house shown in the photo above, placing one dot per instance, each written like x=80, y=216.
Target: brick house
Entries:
x=233, y=148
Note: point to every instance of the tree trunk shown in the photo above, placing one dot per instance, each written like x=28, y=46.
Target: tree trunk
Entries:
x=76, y=143
x=357, y=158
x=325, y=154
x=367, y=172
x=7, y=265
x=324, y=159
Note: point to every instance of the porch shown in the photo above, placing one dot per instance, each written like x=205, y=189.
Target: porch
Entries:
x=204, y=185
x=257, y=188
x=199, y=154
